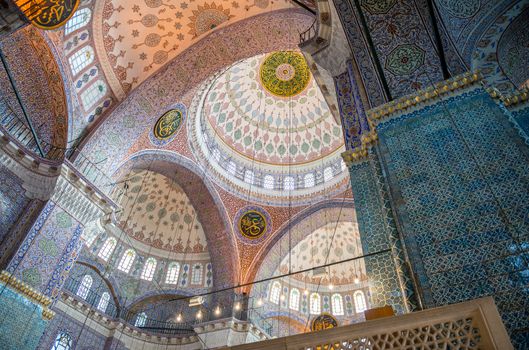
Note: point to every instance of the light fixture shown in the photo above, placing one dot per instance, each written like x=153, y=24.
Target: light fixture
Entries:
x=259, y=302
x=179, y=318
x=237, y=306
x=356, y=280
x=282, y=297
x=199, y=315
x=217, y=311
x=331, y=286
x=306, y=292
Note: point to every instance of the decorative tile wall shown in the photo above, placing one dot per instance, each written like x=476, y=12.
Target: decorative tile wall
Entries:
x=12, y=201
x=43, y=260
x=458, y=174
x=21, y=323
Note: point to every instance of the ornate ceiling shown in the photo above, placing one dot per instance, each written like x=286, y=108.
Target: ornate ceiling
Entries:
x=265, y=117
x=158, y=213
x=138, y=37
x=331, y=243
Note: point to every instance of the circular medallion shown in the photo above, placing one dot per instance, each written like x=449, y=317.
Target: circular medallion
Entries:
x=323, y=321
x=285, y=73
x=168, y=125
x=253, y=223
x=53, y=13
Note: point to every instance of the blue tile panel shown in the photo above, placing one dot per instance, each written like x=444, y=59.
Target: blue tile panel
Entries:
x=21, y=323
x=459, y=177
x=387, y=285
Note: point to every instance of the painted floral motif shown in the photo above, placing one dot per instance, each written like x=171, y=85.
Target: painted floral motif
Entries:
x=207, y=17
x=405, y=59
x=378, y=6
x=461, y=9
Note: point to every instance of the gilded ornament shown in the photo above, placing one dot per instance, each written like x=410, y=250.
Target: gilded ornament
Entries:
x=285, y=73
x=323, y=321
x=168, y=124
x=51, y=14
x=252, y=224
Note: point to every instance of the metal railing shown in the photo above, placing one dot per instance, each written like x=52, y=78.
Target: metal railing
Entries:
x=20, y=132
x=310, y=33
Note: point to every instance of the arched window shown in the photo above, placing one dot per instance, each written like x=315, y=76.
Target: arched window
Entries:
x=327, y=174
x=141, y=319
x=268, y=182
x=78, y=20
x=93, y=94
x=103, y=302
x=337, y=304
x=315, y=304
x=360, y=301
x=126, y=260
x=294, y=299
x=309, y=180
x=288, y=183
x=62, y=342
x=84, y=287
x=107, y=248
x=197, y=274
x=216, y=154
x=172, y=273
x=248, y=176
x=275, y=292
x=232, y=167
x=148, y=269
x=81, y=59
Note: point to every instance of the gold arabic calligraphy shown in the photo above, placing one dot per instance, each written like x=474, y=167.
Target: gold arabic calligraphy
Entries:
x=252, y=224
x=168, y=124
x=54, y=13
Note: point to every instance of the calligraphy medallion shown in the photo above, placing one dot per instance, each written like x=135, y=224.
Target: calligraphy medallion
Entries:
x=253, y=223
x=168, y=125
x=323, y=321
x=54, y=13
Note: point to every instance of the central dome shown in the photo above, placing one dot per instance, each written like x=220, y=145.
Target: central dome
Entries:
x=285, y=73
x=264, y=127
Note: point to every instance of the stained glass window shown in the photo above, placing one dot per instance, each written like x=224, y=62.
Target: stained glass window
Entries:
x=126, y=260
x=294, y=299
x=315, y=304
x=337, y=305
x=360, y=301
x=81, y=59
x=309, y=180
x=84, y=287
x=248, y=176
x=62, y=342
x=141, y=320
x=197, y=274
x=93, y=94
x=78, y=20
x=275, y=292
x=288, y=183
x=172, y=273
x=148, y=269
x=268, y=182
x=107, y=248
x=103, y=302
x=327, y=174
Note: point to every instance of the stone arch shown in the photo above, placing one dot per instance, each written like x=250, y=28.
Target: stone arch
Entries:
x=206, y=201
x=39, y=80
x=109, y=282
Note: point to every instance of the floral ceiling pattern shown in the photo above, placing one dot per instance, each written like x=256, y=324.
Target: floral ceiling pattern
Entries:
x=138, y=37
x=158, y=213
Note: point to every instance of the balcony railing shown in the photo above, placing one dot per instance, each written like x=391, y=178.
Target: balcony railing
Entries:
x=470, y=325
x=310, y=33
